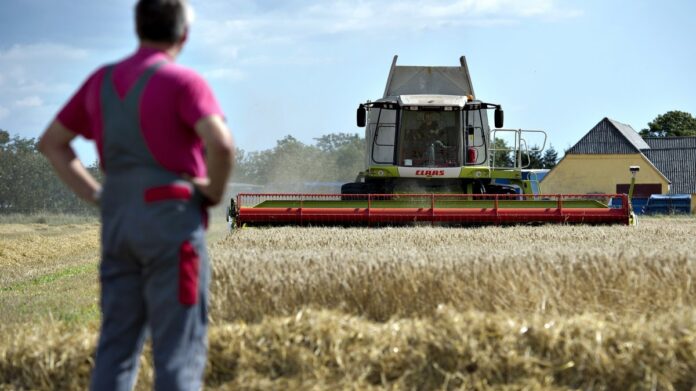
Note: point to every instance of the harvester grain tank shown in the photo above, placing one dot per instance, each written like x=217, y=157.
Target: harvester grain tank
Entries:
x=431, y=156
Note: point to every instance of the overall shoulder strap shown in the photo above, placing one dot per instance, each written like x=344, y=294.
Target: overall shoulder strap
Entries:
x=132, y=98
x=124, y=145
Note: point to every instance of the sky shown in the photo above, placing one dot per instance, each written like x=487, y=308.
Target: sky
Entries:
x=301, y=67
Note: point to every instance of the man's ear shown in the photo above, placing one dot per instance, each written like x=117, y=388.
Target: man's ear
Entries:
x=184, y=37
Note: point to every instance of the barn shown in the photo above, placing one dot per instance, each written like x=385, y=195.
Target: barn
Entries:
x=600, y=161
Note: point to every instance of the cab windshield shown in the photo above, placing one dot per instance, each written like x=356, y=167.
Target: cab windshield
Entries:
x=429, y=139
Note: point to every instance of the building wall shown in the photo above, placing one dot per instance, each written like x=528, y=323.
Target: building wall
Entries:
x=583, y=174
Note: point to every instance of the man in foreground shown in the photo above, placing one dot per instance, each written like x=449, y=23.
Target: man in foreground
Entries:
x=166, y=154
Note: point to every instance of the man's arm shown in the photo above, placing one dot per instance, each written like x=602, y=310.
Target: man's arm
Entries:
x=219, y=149
x=55, y=145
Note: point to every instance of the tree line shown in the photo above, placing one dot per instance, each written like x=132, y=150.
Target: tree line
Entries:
x=534, y=158
x=28, y=184
x=339, y=157
x=335, y=157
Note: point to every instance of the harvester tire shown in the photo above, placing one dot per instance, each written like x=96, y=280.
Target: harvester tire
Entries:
x=348, y=189
x=500, y=189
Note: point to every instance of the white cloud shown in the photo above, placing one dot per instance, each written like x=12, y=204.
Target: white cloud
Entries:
x=34, y=77
x=294, y=22
x=371, y=16
x=303, y=60
x=29, y=101
x=42, y=51
x=4, y=112
x=226, y=74
x=36, y=69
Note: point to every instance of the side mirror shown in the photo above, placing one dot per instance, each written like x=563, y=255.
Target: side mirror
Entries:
x=499, y=118
x=361, y=116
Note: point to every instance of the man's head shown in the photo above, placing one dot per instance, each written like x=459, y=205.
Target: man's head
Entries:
x=431, y=118
x=163, y=22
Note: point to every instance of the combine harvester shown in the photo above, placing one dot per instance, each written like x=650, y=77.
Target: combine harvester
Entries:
x=431, y=157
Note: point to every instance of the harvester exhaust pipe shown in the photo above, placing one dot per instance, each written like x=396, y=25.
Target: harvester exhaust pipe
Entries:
x=632, y=216
x=634, y=171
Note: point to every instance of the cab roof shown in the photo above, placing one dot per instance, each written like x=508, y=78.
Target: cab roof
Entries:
x=432, y=100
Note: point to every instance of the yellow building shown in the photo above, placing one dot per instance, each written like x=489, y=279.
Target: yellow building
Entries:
x=604, y=174
x=600, y=161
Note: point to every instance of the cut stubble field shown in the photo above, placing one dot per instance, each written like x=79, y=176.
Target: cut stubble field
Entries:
x=543, y=307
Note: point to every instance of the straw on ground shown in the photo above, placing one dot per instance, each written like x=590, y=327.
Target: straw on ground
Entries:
x=415, y=308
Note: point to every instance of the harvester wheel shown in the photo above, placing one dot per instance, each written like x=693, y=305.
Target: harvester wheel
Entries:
x=500, y=189
x=349, y=189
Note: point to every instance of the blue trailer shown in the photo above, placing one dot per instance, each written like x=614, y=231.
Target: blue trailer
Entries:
x=668, y=204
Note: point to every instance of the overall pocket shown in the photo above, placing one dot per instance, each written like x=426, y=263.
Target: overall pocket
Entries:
x=189, y=264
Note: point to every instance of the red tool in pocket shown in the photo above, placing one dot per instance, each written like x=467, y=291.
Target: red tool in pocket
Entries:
x=188, y=274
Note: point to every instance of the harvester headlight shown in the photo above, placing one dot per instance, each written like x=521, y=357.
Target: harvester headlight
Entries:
x=380, y=172
x=478, y=174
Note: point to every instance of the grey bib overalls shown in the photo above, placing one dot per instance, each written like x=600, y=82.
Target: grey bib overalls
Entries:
x=154, y=270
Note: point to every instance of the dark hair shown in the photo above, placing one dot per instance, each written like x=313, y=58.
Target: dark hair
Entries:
x=161, y=20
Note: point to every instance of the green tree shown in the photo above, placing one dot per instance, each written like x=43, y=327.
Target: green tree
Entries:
x=533, y=158
x=345, y=152
x=335, y=141
x=292, y=163
x=671, y=124
x=28, y=183
x=4, y=138
x=336, y=157
x=550, y=158
x=503, y=154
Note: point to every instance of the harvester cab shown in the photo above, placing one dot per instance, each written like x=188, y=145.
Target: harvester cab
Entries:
x=429, y=133
x=432, y=157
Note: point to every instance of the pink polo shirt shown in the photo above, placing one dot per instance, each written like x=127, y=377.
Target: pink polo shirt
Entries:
x=173, y=100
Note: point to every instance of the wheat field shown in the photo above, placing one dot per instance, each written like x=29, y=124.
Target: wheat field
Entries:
x=382, y=273
x=543, y=307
